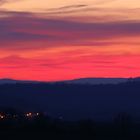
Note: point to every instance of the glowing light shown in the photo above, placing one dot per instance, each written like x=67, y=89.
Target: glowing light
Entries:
x=1, y=116
x=29, y=114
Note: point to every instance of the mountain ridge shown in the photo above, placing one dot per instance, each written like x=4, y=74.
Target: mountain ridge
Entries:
x=92, y=81
x=73, y=101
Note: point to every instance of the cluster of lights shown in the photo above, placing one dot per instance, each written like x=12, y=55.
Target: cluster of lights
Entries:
x=31, y=114
x=28, y=115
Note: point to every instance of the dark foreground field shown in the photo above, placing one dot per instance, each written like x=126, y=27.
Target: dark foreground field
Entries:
x=44, y=128
x=44, y=135
x=120, y=103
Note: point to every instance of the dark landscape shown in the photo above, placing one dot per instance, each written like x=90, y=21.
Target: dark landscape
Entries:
x=70, y=110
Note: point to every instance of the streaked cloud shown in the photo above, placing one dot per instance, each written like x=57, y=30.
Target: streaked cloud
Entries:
x=58, y=40
x=55, y=33
x=68, y=7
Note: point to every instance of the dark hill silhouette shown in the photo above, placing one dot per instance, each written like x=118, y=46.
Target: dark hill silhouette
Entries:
x=96, y=81
x=13, y=81
x=93, y=81
x=73, y=101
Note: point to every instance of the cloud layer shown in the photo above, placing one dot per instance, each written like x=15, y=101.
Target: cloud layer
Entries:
x=57, y=33
x=60, y=44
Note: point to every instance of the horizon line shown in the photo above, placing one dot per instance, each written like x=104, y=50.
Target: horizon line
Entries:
x=51, y=81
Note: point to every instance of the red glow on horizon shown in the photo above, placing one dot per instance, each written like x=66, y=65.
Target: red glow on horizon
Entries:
x=109, y=66
x=42, y=49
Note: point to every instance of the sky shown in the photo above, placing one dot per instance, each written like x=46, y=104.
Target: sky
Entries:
x=67, y=39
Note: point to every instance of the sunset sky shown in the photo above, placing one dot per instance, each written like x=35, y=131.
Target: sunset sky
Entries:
x=51, y=40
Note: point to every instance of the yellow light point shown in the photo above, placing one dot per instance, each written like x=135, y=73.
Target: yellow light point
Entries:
x=29, y=114
x=1, y=117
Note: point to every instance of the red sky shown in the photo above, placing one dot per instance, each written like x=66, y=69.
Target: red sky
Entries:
x=63, y=40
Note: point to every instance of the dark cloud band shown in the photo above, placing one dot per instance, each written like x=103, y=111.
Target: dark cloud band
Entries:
x=24, y=27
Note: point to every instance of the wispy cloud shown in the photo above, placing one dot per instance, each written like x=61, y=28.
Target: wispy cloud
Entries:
x=67, y=7
x=5, y=1
x=56, y=32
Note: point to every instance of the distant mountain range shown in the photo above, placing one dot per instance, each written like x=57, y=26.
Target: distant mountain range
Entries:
x=92, y=81
x=12, y=81
x=96, y=81
x=95, y=98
